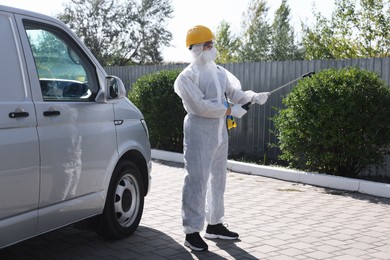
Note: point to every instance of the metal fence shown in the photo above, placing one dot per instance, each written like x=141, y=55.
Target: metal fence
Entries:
x=253, y=134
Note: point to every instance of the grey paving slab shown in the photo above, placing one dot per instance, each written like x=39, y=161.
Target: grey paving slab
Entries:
x=275, y=219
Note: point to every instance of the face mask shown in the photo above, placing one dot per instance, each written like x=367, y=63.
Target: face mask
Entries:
x=209, y=55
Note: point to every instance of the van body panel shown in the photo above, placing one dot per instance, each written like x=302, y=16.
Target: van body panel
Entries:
x=69, y=212
x=61, y=134
x=78, y=168
x=130, y=121
x=19, y=148
x=18, y=228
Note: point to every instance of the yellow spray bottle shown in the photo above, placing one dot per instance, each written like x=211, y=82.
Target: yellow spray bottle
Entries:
x=230, y=121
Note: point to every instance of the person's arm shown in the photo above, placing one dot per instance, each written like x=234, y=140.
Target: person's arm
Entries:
x=238, y=96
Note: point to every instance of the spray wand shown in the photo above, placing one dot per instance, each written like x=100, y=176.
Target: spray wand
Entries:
x=309, y=74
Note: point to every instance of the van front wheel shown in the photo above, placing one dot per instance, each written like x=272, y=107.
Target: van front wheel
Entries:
x=124, y=203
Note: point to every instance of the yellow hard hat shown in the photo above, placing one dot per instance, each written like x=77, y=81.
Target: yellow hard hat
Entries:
x=198, y=34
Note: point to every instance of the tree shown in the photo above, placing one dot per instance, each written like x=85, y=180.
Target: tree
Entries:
x=318, y=40
x=352, y=32
x=121, y=33
x=283, y=45
x=374, y=29
x=256, y=37
x=226, y=44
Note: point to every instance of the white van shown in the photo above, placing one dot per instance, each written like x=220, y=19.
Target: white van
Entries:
x=72, y=146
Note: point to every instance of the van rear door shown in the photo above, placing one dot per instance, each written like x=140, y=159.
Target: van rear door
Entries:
x=19, y=149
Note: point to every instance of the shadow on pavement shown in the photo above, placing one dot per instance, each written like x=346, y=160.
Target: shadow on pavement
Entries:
x=170, y=163
x=72, y=243
x=232, y=249
x=359, y=196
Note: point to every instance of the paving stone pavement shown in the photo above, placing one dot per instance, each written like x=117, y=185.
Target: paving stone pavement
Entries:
x=275, y=219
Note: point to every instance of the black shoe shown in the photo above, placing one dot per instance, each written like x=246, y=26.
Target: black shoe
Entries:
x=219, y=231
x=195, y=242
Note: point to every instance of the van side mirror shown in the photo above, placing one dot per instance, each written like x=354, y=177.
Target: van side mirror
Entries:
x=115, y=87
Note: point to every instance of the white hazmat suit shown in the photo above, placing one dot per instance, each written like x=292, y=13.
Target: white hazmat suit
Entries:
x=202, y=86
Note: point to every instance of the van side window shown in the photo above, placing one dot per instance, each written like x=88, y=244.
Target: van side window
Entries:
x=65, y=73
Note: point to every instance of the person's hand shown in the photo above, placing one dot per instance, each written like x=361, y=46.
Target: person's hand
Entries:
x=261, y=98
x=237, y=111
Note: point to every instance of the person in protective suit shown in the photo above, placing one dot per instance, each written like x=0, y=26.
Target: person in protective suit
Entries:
x=204, y=89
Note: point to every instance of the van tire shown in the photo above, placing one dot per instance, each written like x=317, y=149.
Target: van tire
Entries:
x=124, y=203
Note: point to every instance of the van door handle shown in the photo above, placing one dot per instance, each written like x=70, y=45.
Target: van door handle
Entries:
x=18, y=114
x=51, y=113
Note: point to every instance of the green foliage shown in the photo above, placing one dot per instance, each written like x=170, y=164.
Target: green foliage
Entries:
x=262, y=41
x=162, y=108
x=226, y=44
x=374, y=28
x=351, y=32
x=121, y=32
x=337, y=122
x=256, y=42
x=282, y=37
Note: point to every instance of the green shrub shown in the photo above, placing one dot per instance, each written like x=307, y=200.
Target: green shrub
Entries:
x=162, y=108
x=336, y=122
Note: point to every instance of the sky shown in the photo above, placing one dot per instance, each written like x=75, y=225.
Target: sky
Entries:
x=187, y=13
